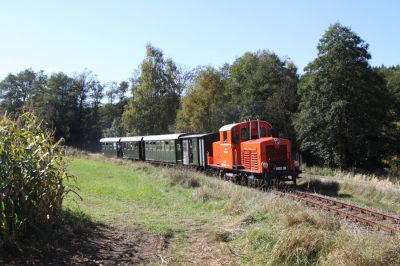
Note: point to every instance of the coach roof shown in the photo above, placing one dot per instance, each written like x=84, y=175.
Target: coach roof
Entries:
x=129, y=139
x=164, y=137
x=110, y=139
x=196, y=135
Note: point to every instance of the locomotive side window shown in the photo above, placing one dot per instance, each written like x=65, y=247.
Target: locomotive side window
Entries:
x=225, y=137
x=263, y=132
x=235, y=136
x=245, y=133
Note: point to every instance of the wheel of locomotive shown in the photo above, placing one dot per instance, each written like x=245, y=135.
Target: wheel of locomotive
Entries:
x=244, y=180
x=294, y=179
x=221, y=174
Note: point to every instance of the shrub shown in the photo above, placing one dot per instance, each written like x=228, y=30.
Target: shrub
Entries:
x=394, y=166
x=32, y=170
x=300, y=246
x=183, y=177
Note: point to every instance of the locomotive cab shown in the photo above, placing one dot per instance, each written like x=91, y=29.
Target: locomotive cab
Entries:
x=228, y=150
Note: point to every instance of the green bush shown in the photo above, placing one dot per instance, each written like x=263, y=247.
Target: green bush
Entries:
x=32, y=170
x=394, y=166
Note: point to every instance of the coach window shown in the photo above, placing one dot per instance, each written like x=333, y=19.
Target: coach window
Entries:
x=245, y=133
x=235, y=136
x=225, y=137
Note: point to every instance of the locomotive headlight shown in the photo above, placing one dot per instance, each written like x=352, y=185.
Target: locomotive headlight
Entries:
x=296, y=163
x=265, y=165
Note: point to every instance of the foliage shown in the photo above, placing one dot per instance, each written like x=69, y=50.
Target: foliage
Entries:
x=261, y=85
x=60, y=104
x=200, y=110
x=24, y=88
x=32, y=171
x=392, y=131
x=394, y=165
x=342, y=109
x=111, y=112
x=71, y=104
x=155, y=96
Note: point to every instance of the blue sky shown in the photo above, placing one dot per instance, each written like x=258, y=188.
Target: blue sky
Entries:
x=109, y=37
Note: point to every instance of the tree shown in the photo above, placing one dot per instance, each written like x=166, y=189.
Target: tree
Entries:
x=261, y=85
x=17, y=91
x=392, y=131
x=343, y=103
x=58, y=106
x=155, y=100
x=111, y=112
x=200, y=111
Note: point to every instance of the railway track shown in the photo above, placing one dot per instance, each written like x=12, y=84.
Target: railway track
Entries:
x=382, y=221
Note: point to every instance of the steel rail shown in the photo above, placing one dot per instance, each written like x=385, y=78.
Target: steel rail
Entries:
x=327, y=204
x=381, y=216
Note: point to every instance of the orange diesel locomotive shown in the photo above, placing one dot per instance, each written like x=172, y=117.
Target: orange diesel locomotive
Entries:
x=247, y=150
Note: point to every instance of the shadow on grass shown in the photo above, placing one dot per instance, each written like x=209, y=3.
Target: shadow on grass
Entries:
x=324, y=187
x=76, y=240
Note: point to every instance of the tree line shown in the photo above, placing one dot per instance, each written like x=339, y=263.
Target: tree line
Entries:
x=340, y=112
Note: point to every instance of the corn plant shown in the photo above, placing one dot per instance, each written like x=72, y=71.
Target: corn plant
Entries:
x=32, y=171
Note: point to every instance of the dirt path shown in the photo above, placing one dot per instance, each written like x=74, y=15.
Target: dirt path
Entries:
x=103, y=246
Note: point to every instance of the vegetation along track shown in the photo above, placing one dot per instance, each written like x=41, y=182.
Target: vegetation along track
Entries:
x=382, y=221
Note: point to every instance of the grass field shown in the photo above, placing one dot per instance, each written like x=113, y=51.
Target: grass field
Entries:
x=185, y=218
x=380, y=192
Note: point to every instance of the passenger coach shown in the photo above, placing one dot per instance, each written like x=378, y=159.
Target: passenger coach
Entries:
x=163, y=148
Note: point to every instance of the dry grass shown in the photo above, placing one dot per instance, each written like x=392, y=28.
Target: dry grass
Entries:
x=311, y=219
x=182, y=177
x=372, y=190
x=268, y=229
x=363, y=249
x=263, y=229
x=301, y=245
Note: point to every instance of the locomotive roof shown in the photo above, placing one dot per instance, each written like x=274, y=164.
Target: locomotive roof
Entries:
x=230, y=126
x=110, y=139
x=164, y=137
x=128, y=139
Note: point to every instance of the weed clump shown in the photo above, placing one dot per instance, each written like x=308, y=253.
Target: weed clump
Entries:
x=222, y=236
x=145, y=167
x=32, y=171
x=207, y=193
x=311, y=219
x=182, y=177
x=300, y=246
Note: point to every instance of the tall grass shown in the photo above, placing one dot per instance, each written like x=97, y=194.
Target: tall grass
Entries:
x=32, y=170
x=255, y=227
x=370, y=188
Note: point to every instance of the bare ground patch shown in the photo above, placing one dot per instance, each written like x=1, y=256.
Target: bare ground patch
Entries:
x=102, y=246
